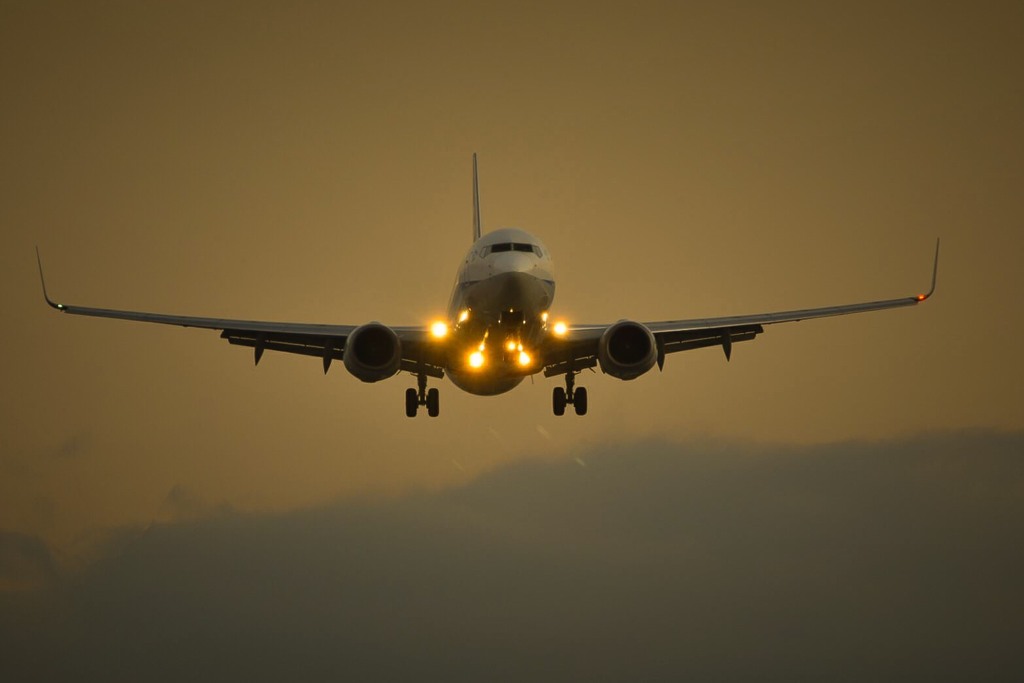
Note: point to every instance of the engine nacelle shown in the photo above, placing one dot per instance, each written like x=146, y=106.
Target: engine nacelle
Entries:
x=627, y=350
x=373, y=352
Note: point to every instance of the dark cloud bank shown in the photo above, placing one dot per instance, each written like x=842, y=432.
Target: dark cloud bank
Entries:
x=654, y=561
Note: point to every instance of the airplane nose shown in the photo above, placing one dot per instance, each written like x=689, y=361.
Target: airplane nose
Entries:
x=513, y=262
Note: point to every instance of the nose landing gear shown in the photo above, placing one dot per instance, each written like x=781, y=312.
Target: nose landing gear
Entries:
x=414, y=399
x=577, y=398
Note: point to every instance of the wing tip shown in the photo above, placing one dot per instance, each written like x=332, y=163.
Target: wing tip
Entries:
x=935, y=275
x=42, y=281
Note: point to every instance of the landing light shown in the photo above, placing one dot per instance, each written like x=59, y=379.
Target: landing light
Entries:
x=560, y=329
x=439, y=330
x=544, y=316
x=524, y=358
x=464, y=316
x=510, y=345
x=476, y=359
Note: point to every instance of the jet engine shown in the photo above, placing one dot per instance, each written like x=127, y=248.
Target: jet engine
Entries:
x=627, y=350
x=373, y=352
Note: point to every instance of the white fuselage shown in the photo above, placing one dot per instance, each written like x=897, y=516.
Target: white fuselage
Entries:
x=498, y=312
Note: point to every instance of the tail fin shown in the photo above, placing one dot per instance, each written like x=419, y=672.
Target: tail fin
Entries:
x=476, y=202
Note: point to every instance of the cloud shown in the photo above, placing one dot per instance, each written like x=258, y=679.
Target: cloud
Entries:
x=183, y=504
x=656, y=561
x=25, y=562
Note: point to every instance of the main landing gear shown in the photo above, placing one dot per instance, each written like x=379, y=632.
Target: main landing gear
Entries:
x=414, y=399
x=577, y=398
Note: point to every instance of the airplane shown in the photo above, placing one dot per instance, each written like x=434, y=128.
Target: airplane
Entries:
x=499, y=330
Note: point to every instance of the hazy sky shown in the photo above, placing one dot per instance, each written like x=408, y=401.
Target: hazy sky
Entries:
x=312, y=163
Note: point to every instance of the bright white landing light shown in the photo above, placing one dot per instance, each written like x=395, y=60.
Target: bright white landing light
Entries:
x=476, y=360
x=561, y=328
x=439, y=330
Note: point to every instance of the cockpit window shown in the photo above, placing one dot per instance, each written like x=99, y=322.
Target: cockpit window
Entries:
x=512, y=246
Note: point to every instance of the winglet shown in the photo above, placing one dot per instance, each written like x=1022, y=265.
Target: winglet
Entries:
x=935, y=274
x=42, y=281
x=476, y=202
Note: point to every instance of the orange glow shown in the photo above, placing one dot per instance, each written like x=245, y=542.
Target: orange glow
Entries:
x=922, y=297
x=439, y=330
x=510, y=345
x=463, y=316
x=476, y=360
x=561, y=328
x=524, y=358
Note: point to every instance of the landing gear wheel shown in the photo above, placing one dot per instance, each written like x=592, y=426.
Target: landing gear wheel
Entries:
x=579, y=400
x=433, y=402
x=558, y=401
x=412, y=402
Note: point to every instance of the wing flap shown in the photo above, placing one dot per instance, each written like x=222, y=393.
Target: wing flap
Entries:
x=322, y=347
x=672, y=342
x=329, y=349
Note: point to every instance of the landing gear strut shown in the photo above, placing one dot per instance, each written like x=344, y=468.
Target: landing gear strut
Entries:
x=414, y=399
x=577, y=398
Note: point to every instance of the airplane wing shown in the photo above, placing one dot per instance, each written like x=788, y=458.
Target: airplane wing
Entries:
x=308, y=339
x=578, y=349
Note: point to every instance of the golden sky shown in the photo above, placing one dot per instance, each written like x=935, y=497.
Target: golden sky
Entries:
x=311, y=162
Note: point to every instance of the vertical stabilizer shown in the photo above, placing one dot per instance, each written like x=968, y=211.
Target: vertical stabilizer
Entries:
x=476, y=202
